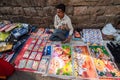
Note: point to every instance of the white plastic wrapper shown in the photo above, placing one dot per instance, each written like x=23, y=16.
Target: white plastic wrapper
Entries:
x=29, y=64
x=36, y=48
x=39, y=41
x=32, y=56
x=26, y=54
x=22, y=63
x=43, y=65
x=38, y=56
x=35, y=65
x=30, y=46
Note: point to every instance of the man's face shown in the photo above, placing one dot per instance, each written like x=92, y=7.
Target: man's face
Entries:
x=60, y=13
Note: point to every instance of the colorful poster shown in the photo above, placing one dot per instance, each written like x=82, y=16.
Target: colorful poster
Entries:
x=106, y=68
x=99, y=52
x=83, y=65
x=60, y=63
x=92, y=36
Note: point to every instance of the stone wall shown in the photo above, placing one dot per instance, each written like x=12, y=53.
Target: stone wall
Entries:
x=84, y=13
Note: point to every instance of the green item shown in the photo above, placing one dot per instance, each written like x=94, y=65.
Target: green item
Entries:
x=67, y=49
x=101, y=74
x=19, y=25
x=95, y=48
x=3, y=36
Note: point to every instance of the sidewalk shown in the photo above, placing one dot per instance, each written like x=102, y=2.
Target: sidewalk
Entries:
x=20, y=75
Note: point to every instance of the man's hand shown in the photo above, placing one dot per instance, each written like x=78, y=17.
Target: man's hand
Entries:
x=62, y=27
x=67, y=39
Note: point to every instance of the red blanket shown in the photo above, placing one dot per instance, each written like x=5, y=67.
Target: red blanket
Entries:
x=6, y=69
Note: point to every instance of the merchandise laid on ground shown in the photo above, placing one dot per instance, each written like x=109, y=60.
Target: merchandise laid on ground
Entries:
x=87, y=56
x=12, y=37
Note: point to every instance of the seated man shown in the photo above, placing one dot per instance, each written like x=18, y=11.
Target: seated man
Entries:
x=62, y=23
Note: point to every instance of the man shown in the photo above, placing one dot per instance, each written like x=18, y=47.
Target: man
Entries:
x=63, y=25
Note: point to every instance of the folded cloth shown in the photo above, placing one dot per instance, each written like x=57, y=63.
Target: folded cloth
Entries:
x=5, y=27
x=6, y=69
x=5, y=46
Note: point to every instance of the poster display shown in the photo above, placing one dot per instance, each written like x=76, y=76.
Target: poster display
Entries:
x=92, y=36
x=83, y=65
x=73, y=61
x=61, y=63
x=104, y=64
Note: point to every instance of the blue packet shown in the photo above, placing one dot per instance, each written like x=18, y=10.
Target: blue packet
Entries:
x=47, y=51
x=18, y=32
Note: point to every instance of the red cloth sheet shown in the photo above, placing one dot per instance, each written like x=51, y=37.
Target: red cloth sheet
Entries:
x=6, y=69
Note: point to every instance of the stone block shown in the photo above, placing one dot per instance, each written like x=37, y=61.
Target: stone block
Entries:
x=37, y=20
x=5, y=17
x=32, y=3
x=41, y=3
x=24, y=3
x=97, y=10
x=48, y=20
x=80, y=19
x=80, y=11
x=69, y=10
x=110, y=19
x=100, y=19
x=53, y=2
x=18, y=11
x=30, y=11
x=39, y=11
x=105, y=2
x=8, y=3
x=6, y=10
x=112, y=10
x=116, y=2
x=49, y=11
x=89, y=25
x=82, y=3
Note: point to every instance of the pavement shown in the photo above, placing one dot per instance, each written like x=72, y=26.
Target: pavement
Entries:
x=21, y=75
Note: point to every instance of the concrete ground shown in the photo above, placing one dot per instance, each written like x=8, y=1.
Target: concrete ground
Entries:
x=20, y=75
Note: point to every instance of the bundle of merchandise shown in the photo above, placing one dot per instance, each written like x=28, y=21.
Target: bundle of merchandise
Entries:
x=76, y=62
x=12, y=36
x=67, y=61
x=92, y=36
